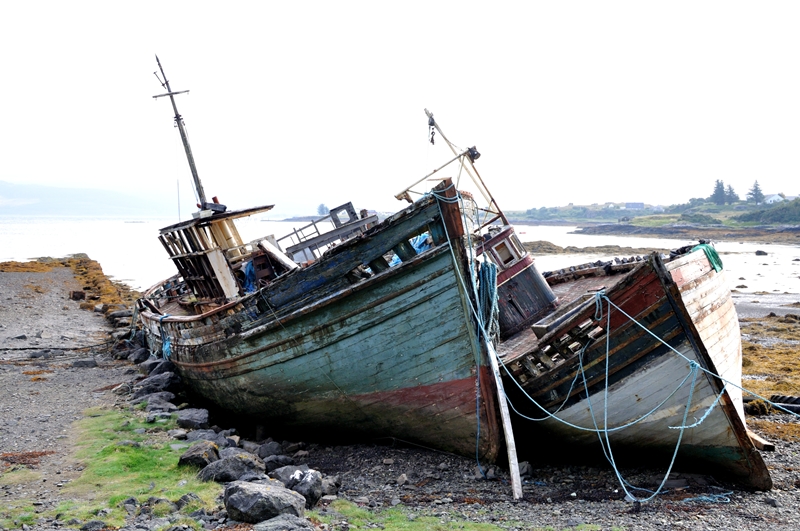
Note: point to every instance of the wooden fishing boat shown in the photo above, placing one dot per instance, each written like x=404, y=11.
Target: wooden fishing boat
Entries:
x=628, y=368
x=354, y=331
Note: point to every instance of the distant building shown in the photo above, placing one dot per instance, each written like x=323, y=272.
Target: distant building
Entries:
x=772, y=199
x=634, y=206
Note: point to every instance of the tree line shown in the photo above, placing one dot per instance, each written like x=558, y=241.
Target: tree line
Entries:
x=726, y=195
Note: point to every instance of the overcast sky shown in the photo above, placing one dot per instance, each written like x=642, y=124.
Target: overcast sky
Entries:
x=302, y=103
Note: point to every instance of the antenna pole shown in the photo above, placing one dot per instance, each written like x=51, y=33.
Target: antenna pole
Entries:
x=476, y=177
x=179, y=121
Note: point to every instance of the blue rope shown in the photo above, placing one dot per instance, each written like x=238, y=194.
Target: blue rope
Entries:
x=166, y=350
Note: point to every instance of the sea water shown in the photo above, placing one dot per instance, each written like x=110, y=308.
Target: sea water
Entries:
x=128, y=248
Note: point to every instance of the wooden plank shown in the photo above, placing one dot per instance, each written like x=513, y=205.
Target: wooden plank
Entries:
x=511, y=447
x=760, y=443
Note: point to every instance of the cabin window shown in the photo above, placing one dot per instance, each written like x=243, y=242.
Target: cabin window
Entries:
x=504, y=253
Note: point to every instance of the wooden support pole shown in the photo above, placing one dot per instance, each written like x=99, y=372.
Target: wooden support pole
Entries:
x=511, y=447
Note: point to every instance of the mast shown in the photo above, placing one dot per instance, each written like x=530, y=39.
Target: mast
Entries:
x=476, y=178
x=204, y=205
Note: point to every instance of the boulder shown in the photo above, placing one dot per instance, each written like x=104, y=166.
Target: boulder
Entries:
x=208, y=435
x=200, y=455
x=186, y=499
x=331, y=484
x=276, y=461
x=119, y=313
x=94, y=525
x=162, y=366
x=87, y=363
x=270, y=448
x=285, y=522
x=254, y=502
x=288, y=475
x=139, y=355
x=193, y=418
x=231, y=468
x=250, y=446
x=234, y=452
x=164, y=396
x=309, y=486
x=167, y=381
x=158, y=404
x=146, y=367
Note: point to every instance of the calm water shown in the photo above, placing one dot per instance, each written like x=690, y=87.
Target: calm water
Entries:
x=128, y=249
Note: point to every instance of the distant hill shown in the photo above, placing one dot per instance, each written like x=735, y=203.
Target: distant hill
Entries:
x=785, y=212
x=37, y=200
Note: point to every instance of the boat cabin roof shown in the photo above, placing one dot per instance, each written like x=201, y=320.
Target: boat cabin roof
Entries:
x=231, y=214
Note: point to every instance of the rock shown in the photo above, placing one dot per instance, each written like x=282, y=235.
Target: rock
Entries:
x=45, y=354
x=100, y=308
x=178, y=434
x=21, y=336
x=119, y=313
x=193, y=419
x=270, y=448
x=155, y=416
x=525, y=469
x=231, y=468
x=255, y=502
x=287, y=474
x=186, y=499
x=276, y=461
x=330, y=485
x=290, y=448
x=85, y=364
x=157, y=404
x=208, y=435
x=94, y=525
x=300, y=454
x=161, y=505
x=163, y=395
x=200, y=455
x=310, y=487
x=401, y=480
x=139, y=355
x=147, y=366
x=233, y=451
x=772, y=502
x=162, y=366
x=285, y=522
x=167, y=381
x=761, y=253
x=250, y=446
x=77, y=295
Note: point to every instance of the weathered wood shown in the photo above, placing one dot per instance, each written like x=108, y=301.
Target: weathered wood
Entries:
x=761, y=443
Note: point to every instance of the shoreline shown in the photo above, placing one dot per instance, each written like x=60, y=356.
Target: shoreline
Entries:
x=34, y=416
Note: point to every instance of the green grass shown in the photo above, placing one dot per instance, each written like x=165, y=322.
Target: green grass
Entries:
x=400, y=519
x=116, y=472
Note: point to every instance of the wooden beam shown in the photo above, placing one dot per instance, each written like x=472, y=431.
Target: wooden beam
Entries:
x=760, y=443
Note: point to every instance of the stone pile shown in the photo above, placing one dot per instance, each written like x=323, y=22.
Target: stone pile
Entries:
x=265, y=482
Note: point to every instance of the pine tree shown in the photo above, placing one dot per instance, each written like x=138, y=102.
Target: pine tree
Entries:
x=755, y=194
x=718, y=197
x=730, y=196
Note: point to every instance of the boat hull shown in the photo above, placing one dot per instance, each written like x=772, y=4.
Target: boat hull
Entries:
x=393, y=356
x=630, y=379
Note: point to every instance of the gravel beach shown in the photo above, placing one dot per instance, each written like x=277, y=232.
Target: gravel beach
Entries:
x=50, y=373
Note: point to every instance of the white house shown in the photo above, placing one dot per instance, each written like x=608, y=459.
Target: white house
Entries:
x=771, y=199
